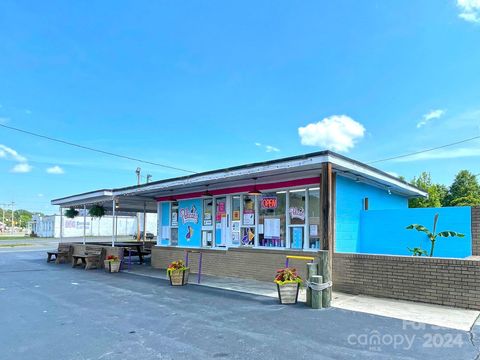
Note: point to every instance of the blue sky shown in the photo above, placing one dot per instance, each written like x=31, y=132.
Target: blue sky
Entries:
x=208, y=84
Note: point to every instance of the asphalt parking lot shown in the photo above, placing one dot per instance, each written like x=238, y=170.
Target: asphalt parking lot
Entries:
x=52, y=311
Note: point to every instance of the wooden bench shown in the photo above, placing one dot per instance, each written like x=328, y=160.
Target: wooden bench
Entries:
x=60, y=255
x=89, y=255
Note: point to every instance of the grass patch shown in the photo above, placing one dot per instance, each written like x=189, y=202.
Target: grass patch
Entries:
x=15, y=237
x=13, y=245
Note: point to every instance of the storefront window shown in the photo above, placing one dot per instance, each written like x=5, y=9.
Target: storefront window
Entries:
x=235, y=220
x=248, y=210
x=207, y=212
x=314, y=218
x=272, y=223
x=221, y=221
x=174, y=224
x=296, y=217
x=296, y=210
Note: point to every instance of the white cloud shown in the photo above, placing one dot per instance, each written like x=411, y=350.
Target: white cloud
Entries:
x=470, y=10
x=432, y=115
x=40, y=195
x=268, y=148
x=442, y=154
x=336, y=132
x=21, y=168
x=57, y=170
x=9, y=153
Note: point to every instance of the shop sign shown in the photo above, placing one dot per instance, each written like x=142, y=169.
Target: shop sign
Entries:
x=189, y=215
x=297, y=213
x=269, y=202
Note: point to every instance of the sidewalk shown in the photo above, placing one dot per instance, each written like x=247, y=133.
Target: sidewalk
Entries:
x=444, y=316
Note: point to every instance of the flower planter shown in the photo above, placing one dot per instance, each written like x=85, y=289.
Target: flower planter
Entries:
x=112, y=266
x=288, y=292
x=179, y=277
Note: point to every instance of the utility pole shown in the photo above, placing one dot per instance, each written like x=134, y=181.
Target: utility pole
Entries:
x=3, y=216
x=149, y=178
x=138, y=172
x=13, y=220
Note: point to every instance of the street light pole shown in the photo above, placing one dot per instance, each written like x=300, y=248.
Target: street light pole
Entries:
x=138, y=172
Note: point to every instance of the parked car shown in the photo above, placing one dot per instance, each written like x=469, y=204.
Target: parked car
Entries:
x=148, y=235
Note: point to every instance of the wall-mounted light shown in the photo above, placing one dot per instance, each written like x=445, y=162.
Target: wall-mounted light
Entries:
x=389, y=191
x=255, y=191
x=207, y=193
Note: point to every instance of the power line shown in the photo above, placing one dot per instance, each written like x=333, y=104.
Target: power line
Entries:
x=424, y=151
x=96, y=150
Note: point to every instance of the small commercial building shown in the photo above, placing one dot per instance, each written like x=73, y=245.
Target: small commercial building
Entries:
x=245, y=219
x=49, y=225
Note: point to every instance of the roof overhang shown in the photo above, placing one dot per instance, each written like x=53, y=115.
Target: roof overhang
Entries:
x=280, y=170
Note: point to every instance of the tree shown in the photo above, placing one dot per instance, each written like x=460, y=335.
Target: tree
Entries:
x=464, y=191
x=436, y=192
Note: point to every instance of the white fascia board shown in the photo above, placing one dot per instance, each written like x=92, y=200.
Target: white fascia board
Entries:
x=225, y=175
x=82, y=198
x=368, y=172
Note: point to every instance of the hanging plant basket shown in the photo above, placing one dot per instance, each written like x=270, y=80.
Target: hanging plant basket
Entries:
x=96, y=211
x=71, y=213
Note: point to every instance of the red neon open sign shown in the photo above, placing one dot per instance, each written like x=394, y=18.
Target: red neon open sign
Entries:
x=269, y=202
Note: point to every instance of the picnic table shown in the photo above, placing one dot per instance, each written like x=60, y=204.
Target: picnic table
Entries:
x=135, y=245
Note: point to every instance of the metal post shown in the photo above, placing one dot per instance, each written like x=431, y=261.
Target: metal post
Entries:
x=13, y=220
x=84, y=223
x=61, y=225
x=144, y=221
x=113, y=223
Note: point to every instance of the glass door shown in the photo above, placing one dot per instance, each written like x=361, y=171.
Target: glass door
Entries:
x=221, y=222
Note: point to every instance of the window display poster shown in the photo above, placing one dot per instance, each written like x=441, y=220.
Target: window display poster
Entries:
x=236, y=215
x=271, y=228
x=190, y=224
x=235, y=226
x=236, y=238
x=221, y=210
x=248, y=217
x=297, y=237
x=313, y=230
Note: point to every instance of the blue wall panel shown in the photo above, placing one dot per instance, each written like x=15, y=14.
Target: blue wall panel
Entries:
x=190, y=223
x=349, y=206
x=383, y=232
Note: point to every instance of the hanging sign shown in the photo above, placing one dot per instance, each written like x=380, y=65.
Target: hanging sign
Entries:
x=269, y=202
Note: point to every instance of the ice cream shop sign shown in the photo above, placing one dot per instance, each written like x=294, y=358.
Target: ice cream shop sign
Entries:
x=189, y=215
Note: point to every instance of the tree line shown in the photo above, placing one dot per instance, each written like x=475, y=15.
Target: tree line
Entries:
x=20, y=217
x=464, y=191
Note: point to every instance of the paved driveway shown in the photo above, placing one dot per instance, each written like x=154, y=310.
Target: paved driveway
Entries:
x=50, y=311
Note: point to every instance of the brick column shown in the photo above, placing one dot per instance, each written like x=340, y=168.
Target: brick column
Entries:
x=476, y=231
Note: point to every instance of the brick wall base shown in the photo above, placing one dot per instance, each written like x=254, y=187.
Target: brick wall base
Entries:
x=476, y=231
x=258, y=264
x=451, y=282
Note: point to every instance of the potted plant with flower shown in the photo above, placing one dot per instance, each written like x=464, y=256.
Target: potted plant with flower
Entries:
x=288, y=283
x=112, y=263
x=178, y=273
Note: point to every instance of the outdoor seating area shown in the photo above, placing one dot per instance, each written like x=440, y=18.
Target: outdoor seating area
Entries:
x=93, y=255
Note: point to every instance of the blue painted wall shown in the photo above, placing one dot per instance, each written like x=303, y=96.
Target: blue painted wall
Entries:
x=164, y=221
x=349, y=207
x=190, y=223
x=383, y=232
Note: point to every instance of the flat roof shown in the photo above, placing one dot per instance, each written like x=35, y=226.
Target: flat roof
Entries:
x=278, y=169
